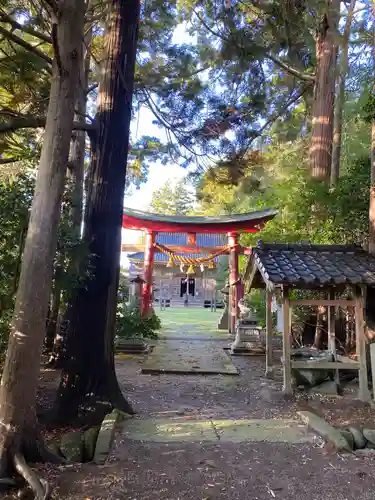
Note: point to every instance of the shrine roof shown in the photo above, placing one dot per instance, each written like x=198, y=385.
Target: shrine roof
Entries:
x=248, y=222
x=307, y=266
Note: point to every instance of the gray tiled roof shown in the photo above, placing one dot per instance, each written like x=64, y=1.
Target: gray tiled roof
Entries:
x=310, y=266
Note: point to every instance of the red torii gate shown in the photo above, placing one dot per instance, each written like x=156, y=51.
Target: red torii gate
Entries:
x=231, y=225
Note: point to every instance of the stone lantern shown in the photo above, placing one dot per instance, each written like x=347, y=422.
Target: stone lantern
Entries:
x=224, y=319
x=248, y=331
x=136, y=291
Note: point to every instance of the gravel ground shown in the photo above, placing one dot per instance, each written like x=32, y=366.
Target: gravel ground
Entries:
x=207, y=470
x=150, y=471
x=249, y=395
x=220, y=470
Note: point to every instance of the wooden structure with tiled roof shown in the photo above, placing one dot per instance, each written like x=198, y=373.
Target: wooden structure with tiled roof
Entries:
x=332, y=269
x=194, y=245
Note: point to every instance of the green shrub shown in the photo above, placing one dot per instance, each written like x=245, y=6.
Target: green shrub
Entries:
x=130, y=323
x=5, y=319
x=256, y=300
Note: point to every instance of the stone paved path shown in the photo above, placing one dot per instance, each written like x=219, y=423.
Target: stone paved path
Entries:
x=189, y=356
x=178, y=429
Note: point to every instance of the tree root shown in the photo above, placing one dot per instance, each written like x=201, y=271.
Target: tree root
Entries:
x=40, y=487
x=122, y=404
x=87, y=404
x=47, y=456
x=15, y=461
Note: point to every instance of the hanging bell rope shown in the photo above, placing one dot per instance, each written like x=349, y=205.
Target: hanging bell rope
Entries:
x=171, y=262
x=190, y=270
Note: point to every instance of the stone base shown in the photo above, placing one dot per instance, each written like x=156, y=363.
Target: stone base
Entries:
x=248, y=338
x=224, y=321
x=131, y=346
x=329, y=388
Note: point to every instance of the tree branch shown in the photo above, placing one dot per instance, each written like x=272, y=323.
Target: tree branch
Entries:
x=281, y=111
x=22, y=43
x=4, y=17
x=53, y=5
x=92, y=87
x=6, y=161
x=292, y=71
x=37, y=122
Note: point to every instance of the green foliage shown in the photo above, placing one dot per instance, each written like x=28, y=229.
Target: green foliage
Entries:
x=72, y=264
x=222, y=272
x=130, y=323
x=172, y=200
x=15, y=199
x=256, y=300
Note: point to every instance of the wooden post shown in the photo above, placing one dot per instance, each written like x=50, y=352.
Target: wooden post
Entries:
x=147, y=271
x=364, y=393
x=269, y=364
x=233, y=280
x=372, y=357
x=332, y=333
x=287, y=369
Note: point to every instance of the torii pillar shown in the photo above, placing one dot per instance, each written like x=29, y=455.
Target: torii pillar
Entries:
x=148, y=272
x=234, y=285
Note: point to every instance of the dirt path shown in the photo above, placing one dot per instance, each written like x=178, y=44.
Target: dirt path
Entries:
x=146, y=470
x=218, y=469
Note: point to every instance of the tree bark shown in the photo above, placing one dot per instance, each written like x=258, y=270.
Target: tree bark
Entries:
x=53, y=319
x=18, y=432
x=324, y=93
x=340, y=100
x=76, y=172
x=78, y=145
x=89, y=380
x=318, y=338
x=371, y=239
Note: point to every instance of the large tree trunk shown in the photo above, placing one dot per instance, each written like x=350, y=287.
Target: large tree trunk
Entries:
x=324, y=93
x=53, y=319
x=18, y=433
x=78, y=146
x=76, y=171
x=89, y=380
x=371, y=244
x=340, y=100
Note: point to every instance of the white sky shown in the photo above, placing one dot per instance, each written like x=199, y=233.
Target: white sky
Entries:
x=158, y=174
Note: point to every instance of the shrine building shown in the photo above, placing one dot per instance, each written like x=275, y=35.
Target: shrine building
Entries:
x=177, y=256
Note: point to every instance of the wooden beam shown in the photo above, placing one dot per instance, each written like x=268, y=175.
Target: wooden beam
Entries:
x=372, y=358
x=364, y=393
x=325, y=365
x=250, y=275
x=233, y=280
x=332, y=333
x=322, y=302
x=287, y=369
x=344, y=359
x=269, y=339
x=148, y=272
x=140, y=246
